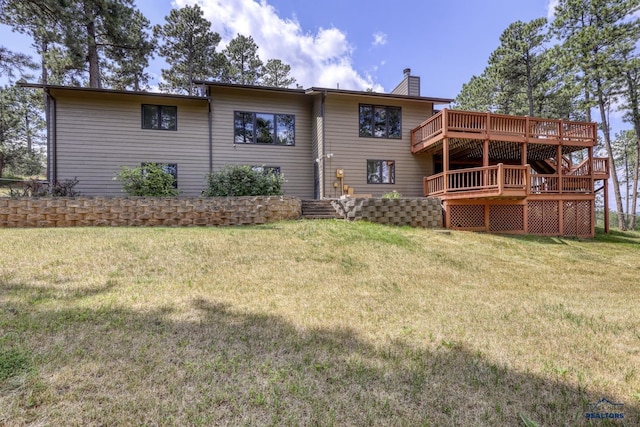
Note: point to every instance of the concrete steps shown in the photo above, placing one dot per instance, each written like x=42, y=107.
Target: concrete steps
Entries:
x=319, y=209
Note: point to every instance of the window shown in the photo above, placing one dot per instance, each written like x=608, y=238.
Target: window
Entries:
x=263, y=128
x=163, y=117
x=380, y=122
x=381, y=172
x=267, y=169
x=171, y=168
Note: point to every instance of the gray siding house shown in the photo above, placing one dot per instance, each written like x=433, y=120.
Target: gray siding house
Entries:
x=326, y=142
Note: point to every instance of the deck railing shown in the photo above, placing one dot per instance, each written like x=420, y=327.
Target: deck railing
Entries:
x=497, y=125
x=601, y=166
x=493, y=179
x=504, y=180
x=548, y=184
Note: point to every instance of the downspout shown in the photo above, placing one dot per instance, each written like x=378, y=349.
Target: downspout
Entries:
x=210, y=130
x=324, y=177
x=52, y=158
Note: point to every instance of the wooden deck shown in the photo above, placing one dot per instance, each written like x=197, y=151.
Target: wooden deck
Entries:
x=499, y=127
x=505, y=181
x=511, y=174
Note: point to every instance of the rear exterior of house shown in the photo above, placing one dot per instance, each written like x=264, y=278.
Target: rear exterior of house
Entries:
x=96, y=132
x=307, y=135
x=493, y=173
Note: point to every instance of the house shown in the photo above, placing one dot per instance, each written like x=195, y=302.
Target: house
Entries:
x=330, y=142
x=307, y=135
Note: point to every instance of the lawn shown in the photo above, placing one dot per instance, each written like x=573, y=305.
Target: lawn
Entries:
x=316, y=323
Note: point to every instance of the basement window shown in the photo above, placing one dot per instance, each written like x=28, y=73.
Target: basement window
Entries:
x=267, y=170
x=171, y=168
x=381, y=172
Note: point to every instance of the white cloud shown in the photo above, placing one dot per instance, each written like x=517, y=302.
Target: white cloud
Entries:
x=379, y=39
x=551, y=9
x=323, y=58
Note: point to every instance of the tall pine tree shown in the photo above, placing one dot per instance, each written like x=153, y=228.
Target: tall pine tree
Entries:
x=594, y=35
x=277, y=74
x=243, y=63
x=189, y=47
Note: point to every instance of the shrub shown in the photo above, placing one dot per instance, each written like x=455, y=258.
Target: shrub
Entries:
x=392, y=195
x=149, y=180
x=35, y=188
x=243, y=180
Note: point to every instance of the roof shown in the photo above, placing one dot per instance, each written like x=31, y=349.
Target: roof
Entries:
x=317, y=90
x=378, y=94
x=251, y=87
x=112, y=91
x=299, y=91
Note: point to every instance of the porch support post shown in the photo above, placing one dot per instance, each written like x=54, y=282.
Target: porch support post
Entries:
x=523, y=154
x=559, y=168
x=445, y=163
x=590, y=165
x=606, y=206
x=485, y=162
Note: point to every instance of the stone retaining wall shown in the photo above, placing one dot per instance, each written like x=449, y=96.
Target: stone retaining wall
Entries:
x=415, y=212
x=141, y=211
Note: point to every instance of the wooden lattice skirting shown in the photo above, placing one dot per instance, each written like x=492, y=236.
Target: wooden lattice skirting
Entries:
x=556, y=217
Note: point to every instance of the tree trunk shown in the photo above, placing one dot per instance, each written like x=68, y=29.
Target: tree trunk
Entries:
x=95, y=80
x=530, y=89
x=27, y=129
x=634, y=193
x=632, y=94
x=607, y=140
x=626, y=184
x=587, y=99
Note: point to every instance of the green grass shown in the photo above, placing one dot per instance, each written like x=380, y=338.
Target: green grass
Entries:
x=315, y=323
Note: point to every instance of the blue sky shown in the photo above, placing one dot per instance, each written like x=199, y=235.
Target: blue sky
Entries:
x=359, y=44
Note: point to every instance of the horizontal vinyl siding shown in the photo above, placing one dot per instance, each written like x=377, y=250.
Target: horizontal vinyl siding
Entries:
x=97, y=135
x=402, y=88
x=296, y=162
x=414, y=86
x=351, y=152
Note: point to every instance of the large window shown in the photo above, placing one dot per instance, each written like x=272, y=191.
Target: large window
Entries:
x=381, y=172
x=162, y=117
x=171, y=168
x=380, y=122
x=264, y=128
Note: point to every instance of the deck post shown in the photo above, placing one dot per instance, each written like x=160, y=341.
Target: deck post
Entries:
x=487, y=223
x=445, y=163
x=606, y=206
x=590, y=166
x=523, y=155
x=485, y=161
x=559, y=167
x=561, y=217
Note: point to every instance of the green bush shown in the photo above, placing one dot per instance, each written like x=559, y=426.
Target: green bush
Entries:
x=150, y=180
x=392, y=195
x=37, y=188
x=243, y=180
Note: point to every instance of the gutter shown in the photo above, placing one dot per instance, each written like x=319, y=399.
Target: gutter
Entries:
x=52, y=158
x=210, y=101
x=324, y=178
